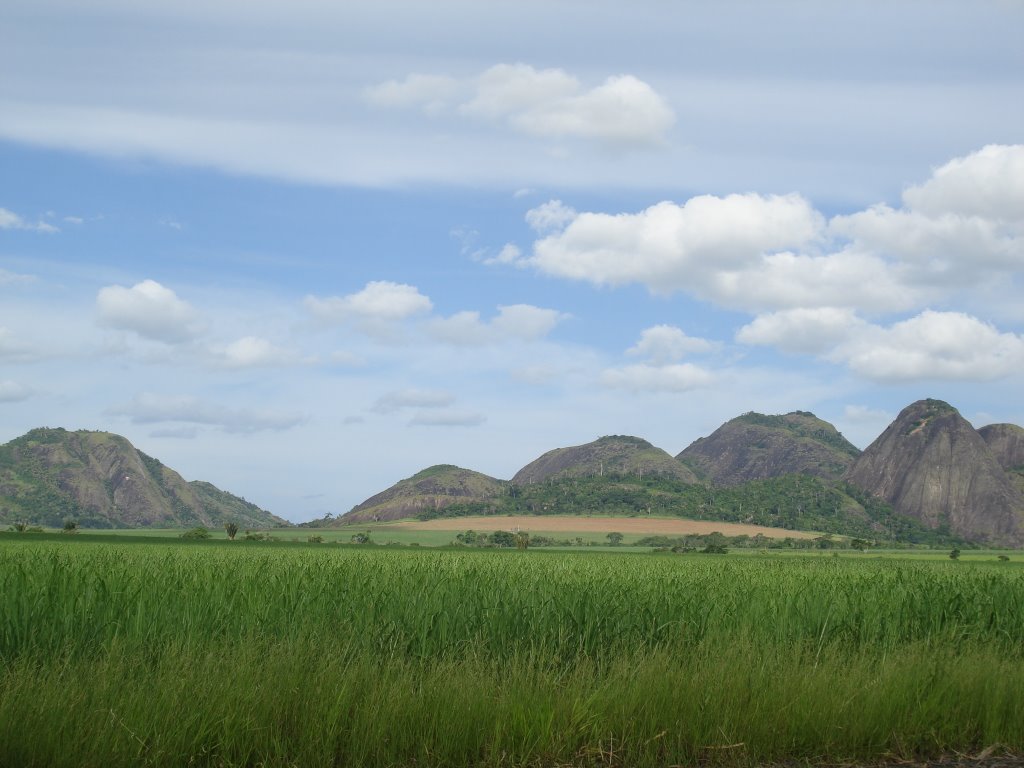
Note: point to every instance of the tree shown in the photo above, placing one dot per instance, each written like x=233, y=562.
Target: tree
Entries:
x=955, y=554
x=70, y=526
x=199, y=532
x=231, y=528
x=522, y=540
x=614, y=538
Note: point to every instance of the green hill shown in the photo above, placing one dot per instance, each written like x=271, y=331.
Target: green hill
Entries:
x=101, y=480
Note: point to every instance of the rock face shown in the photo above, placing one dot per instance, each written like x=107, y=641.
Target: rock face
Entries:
x=102, y=481
x=1006, y=441
x=932, y=465
x=434, y=488
x=612, y=455
x=756, y=447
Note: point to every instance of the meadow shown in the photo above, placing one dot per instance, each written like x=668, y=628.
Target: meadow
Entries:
x=262, y=653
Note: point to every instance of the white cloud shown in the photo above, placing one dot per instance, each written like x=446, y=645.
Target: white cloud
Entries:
x=988, y=183
x=663, y=344
x=255, y=352
x=13, y=392
x=623, y=111
x=962, y=228
x=412, y=398
x=447, y=418
x=509, y=254
x=679, y=377
x=12, y=220
x=670, y=247
x=810, y=331
x=516, y=322
x=550, y=216
x=380, y=301
x=150, y=310
x=933, y=345
x=151, y=408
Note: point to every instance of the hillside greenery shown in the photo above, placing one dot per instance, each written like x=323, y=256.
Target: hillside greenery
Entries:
x=793, y=502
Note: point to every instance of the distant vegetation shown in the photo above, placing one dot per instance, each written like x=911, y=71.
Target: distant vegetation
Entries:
x=794, y=502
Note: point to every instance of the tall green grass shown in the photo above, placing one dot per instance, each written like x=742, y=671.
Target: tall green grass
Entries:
x=221, y=655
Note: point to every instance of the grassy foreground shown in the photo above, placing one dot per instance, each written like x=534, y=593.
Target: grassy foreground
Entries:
x=219, y=654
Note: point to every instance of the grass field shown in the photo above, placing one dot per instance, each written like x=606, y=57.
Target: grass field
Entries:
x=247, y=653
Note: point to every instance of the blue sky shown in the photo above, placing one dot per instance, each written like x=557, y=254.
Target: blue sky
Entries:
x=305, y=249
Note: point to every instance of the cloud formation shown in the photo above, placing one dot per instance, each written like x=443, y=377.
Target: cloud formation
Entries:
x=447, y=418
x=376, y=309
x=255, y=352
x=411, y=398
x=963, y=227
x=12, y=220
x=662, y=344
x=623, y=111
x=150, y=310
x=152, y=408
x=516, y=322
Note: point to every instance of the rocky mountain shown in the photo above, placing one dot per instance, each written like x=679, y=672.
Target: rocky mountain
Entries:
x=755, y=447
x=933, y=466
x=102, y=481
x=1006, y=441
x=432, y=489
x=606, y=456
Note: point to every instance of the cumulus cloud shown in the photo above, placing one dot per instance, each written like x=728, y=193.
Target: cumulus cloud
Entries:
x=509, y=254
x=150, y=310
x=678, y=377
x=12, y=220
x=550, y=216
x=380, y=303
x=13, y=392
x=761, y=253
x=516, y=322
x=988, y=183
x=412, y=398
x=662, y=344
x=623, y=111
x=447, y=418
x=255, y=352
x=933, y=345
x=151, y=408
x=670, y=247
x=808, y=331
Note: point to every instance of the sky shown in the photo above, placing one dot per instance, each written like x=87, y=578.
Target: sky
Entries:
x=305, y=249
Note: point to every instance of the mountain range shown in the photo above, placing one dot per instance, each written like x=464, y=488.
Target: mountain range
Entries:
x=930, y=477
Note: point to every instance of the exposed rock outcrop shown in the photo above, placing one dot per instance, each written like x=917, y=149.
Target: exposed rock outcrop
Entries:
x=932, y=465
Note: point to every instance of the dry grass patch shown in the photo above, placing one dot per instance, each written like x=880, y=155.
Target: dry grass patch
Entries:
x=571, y=524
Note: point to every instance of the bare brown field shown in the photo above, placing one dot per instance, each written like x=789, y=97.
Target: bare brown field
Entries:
x=572, y=524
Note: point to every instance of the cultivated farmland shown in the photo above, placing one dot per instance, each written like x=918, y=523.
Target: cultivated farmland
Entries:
x=259, y=653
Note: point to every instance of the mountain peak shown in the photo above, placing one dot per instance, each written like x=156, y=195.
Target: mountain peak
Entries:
x=755, y=446
x=932, y=465
x=608, y=455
